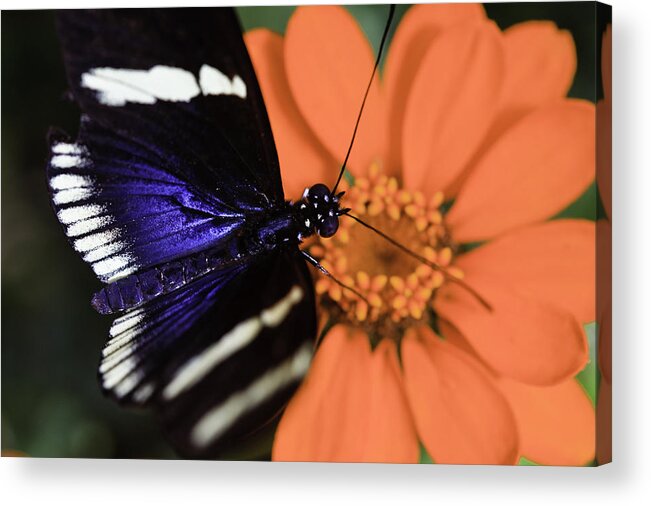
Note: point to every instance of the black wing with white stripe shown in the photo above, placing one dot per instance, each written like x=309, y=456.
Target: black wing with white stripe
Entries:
x=179, y=81
x=219, y=357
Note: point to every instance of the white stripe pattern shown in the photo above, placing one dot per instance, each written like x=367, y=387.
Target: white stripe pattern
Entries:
x=68, y=181
x=78, y=213
x=118, y=266
x=68, y=161
x=109, y=257
x=237, y=338
x=87, y=226
x=72, y=195
x=90, y=242
x=117, y=87
x=65, y=148
x=220, y=418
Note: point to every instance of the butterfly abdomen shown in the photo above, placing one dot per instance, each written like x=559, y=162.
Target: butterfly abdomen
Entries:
x=136, y=289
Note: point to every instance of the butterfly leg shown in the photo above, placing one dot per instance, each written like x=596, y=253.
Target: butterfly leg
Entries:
x=314, y=262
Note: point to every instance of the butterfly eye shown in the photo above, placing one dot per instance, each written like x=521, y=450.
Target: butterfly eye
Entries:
x=328, y=227
x=319, y=193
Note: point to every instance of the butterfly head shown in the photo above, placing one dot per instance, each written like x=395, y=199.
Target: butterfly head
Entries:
x=320, y=210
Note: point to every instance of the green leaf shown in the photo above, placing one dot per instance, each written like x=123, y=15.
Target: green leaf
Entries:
x=588, y=377
x=273, y=18
x=584, y=207
x=424, y=456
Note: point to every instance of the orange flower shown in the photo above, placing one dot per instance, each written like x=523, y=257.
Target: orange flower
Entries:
x=462, y=110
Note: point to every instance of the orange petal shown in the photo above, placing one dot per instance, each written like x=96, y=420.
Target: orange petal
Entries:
x=461, y=416
x=451, y=105
x=538, y=167
x=541, y=62
x=351, y=407
x=303, y=161
x=605, y=154
x=540, y=66
x=607, y=62
x=556, y=424
x=554, y=261
x=604, y=125
x=521, y=338
x=420, y=25
x=605, y=423
x=329, y=62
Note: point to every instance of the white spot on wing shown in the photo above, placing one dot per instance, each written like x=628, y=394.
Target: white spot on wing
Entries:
x=214, y=82
x=65, y=148
x=104, y=251
x=273, y=316
x=72, y=195
x=68, y=161
x=78, y=213
x=220, y=418
x=111, y=265
x=144, y=392
x=93, y=241
x=240, y=336
x=117, y=87
x=113, y=376
x=89, y=225
x=67, y=181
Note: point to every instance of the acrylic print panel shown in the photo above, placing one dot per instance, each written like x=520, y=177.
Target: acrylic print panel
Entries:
x=293, y=255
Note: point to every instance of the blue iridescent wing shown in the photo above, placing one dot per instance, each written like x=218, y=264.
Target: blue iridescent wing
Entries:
x=219, y=357
x=125, y=208
x=153, y=175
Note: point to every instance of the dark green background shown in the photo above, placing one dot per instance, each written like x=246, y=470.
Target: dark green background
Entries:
x=51, y=338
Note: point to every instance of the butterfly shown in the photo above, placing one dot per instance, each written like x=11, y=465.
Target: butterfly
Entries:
x=172, y=193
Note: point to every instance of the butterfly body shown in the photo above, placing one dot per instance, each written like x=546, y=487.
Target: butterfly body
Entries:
x=283, y=227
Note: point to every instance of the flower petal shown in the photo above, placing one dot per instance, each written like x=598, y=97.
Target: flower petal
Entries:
x=420, y=25
x=556, y=424
x=607, y=62
x=461, y=416
x=451, y=105
x=605, y=154
x=541, y=62
x=303, y=160
x=538, y=167
x=521, y=338
x=328, y=63
x=554, y=261
x=351, y=407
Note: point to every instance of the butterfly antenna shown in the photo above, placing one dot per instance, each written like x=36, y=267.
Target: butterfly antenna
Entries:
x=423, y=260
x=392, y=9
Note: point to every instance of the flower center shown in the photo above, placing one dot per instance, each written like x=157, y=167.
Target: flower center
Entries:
x=399, y=289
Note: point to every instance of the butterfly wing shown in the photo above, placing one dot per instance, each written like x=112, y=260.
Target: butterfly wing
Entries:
x=181, y=82
x=149, y=180
x=124, y=208
x=220, y=357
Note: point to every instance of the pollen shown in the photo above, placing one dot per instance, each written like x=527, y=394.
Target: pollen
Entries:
x=397, y=289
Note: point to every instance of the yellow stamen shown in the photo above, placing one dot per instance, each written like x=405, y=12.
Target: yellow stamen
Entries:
x=396, y=288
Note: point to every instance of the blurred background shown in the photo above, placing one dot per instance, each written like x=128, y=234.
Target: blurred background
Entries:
x=51, y=338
